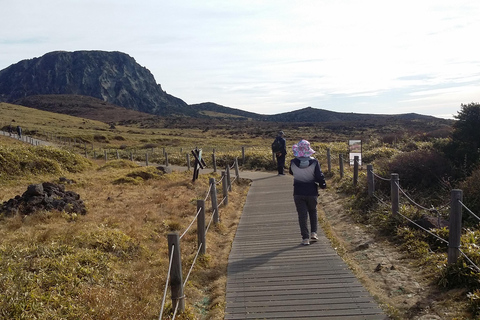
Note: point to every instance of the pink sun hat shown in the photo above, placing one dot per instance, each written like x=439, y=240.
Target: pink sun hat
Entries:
x=302, y=149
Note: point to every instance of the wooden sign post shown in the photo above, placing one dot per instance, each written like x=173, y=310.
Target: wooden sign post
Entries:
x=199, y=163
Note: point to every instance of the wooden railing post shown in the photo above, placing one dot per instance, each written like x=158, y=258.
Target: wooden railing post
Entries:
x=329, y=160
x=340, y=164
x=176, y=278
x=237, y=173
x=118, y=155
x=370, y=179
x=243, y=156
x=201, y=239
x=166, y=159
x=213, y=185
x=455, y=225
x=356, y=159
x=188, y=162
x=146, y=159
x=229, y=185
x=214, y=161
x=394, y=193
x=225, y=188
x=105, y=154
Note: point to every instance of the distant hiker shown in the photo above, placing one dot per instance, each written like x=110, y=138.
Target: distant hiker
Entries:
x=10, y=130
x=279, y=147
x=307, y=178
x=19, y=132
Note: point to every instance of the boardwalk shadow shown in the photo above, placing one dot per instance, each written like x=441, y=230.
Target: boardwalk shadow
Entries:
x=256, y=261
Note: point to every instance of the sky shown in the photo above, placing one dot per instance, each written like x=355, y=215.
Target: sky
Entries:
x=272, y=56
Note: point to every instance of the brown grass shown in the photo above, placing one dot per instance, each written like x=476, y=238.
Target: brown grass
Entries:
x=112, y=263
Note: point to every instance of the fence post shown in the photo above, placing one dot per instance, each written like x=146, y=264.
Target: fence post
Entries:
x=355, y=170
x=329, y=160
x=105, y=153
x=166, y=159
x=201, y=226
x=131, y=156
x=118, y=155
x=237, y=174
x=225, y=187
x=455, y=225
x=214, y=161
x=340, y=164
x=243, y=156
x=213, y=185
x=229, y=185
x=370, y=179
x=176, y=280
x=394, y=193
x=188, y=162
x=146, y=159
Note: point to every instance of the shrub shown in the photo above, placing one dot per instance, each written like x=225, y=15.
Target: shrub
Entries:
x=471, y=192
x=421, y=169
x=369, y=156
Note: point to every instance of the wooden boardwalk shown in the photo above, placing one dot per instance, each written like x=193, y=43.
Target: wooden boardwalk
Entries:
x=272, y=276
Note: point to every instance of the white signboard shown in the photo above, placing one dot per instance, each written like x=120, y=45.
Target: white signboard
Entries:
x=355, y=149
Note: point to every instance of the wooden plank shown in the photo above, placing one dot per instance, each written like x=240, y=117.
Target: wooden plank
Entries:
x=271, y=276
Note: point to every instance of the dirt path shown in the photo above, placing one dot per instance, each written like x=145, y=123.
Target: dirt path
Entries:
x=389, y=275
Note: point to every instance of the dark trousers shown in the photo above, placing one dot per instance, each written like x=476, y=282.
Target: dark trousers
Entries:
x=306, y=208
x=280, y=163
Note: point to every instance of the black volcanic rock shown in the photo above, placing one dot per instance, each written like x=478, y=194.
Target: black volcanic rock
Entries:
x=114, y=77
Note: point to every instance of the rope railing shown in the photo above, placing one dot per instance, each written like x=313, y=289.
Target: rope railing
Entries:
x=412, y=201
x=424, y=229
x=379, y=177
x=211, y=220
x=193, y=264
x=469, y=211
x=455, y=227
x=208, y=193
x=380, y=200
x=222, y=202
x=201, y=232
x=166, y=284
x=191, y=223
x=469, y=260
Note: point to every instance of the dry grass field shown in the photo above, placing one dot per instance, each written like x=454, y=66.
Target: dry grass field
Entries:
x=112, y=262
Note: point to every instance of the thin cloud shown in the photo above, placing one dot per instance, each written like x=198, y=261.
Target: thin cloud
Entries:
x=272, y=56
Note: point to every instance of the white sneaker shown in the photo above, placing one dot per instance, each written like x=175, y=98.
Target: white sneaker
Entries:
x=305, y=242
x=313, y=236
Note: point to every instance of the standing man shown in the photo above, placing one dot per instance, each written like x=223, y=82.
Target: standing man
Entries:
x=279, y=147
x=307, y=178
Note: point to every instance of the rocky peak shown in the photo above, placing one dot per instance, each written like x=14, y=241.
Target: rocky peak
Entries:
x=114, y=77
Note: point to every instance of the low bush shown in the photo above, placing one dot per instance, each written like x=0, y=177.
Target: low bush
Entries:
x=420, y=169
x=371, y=155
x=471, y=195
x=24, y=160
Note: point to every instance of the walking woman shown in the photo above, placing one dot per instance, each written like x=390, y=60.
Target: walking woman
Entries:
x=307, y=178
